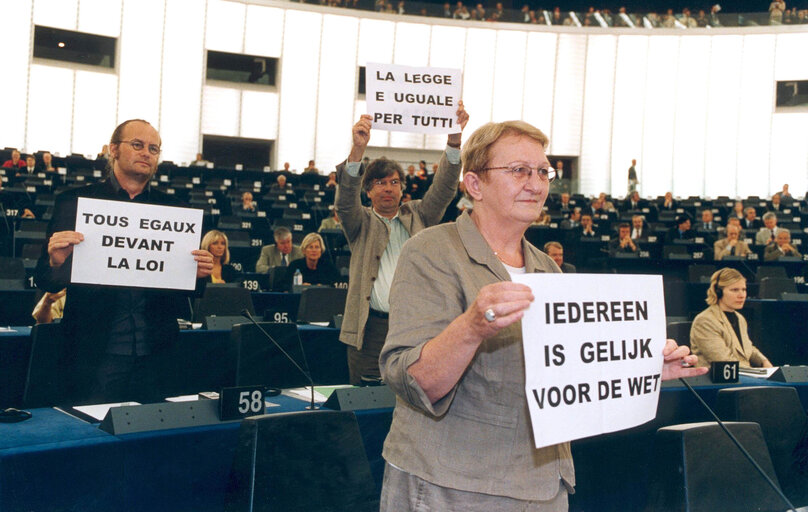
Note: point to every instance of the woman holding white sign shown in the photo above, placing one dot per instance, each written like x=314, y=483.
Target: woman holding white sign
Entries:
x=719, y=333
x=461, y=435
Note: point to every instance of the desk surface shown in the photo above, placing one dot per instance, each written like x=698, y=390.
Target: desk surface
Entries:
x=56, y=462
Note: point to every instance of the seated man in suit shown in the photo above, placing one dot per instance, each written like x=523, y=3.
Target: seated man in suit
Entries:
x=681, y=231
x=780, y=247
x=574, y=219
x=281, y=253
x=775, y=205
x=638, y=229
x=623, y=242
x=280, y=185
x=732, y=245
x=587, y=229
x=556, y=251
x=707, y=223
x=768, y=233
x=750, y=220
x=564, y=204
x=633, y=202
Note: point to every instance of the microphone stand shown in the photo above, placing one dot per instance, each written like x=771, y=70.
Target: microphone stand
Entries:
x=740, y=446
x=246, y=314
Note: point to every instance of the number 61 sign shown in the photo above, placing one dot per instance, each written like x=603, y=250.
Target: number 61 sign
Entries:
x=241, y=402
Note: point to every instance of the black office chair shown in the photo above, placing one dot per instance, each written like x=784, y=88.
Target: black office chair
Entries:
x=770, y=271
x=321, y=304
x=697, y=468
x=774, y=287
x=12, y=274
x=676, y=308
x=680, y=331
x=51, y=369
x=700, y=273
x=301, y=462
x=256, y=361
x=783, y=422
x=223, y=300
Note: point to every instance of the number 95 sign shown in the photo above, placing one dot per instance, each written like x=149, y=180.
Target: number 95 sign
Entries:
x=241, y=402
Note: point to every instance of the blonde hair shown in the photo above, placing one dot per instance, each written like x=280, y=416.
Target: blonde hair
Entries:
x=310, y=239
x=476, y=151
x=214, y=235
x=720, y=280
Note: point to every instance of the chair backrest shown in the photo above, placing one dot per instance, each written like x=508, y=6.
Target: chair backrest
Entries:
x=321, y=304
x=675, y=299
x=228, y=300
x=700, y=273
x=697, y=468
x=782, y=420
x=769, y=271
x=50, y=368
x=680, y=331
x=12, y=268
x=773, y=287
x=310, y=461
x=256, y=360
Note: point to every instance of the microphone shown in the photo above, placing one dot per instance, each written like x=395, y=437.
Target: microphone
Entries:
x=246, y=314
x=740, y=447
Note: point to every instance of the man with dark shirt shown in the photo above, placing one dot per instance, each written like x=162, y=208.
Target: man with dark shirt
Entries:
x=118, y=337
x=681, y=231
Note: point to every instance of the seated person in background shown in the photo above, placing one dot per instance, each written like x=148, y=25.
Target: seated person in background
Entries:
x=50, y=307
x=707, y=223
x=47, y=163
x=681, y=231
x=215, y=242
x=332, y=221
x=15, y=161
x=556, y=251
x=29, y=169
x=732, y=245
x=247, y=203
x=596, y=207
x=311, y=169
x=463, y=202
x=605, y=203
x=633, y=202
x=775, y=205
x=623, y=242
x=638, y=228
x=574, y=219
x=199, y=161
x=564, y=204
x=332, y=180
x=542, y=220
x=587, y=229
x=315, y=268
x=780, y=247
x=737, y=211
x=281, y=253
x=280, y=185
x=750, y=220
x=768, y=232
x=720, y=333
x=668, y=203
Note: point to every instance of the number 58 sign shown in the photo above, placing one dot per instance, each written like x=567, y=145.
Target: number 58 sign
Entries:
x=236, y=403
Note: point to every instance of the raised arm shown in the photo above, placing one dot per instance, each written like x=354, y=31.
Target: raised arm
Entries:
x=348, y=202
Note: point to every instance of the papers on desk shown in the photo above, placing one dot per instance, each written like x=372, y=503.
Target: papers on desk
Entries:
x=321, y=393
x=7, y=329
x=758, y=373
x=99, y=411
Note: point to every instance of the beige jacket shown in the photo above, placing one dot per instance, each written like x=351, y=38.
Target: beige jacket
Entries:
x=367, y=236
x=478, y=437
x=712, y=338
x=722, y=248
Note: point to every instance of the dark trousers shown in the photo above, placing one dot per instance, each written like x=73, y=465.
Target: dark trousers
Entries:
x=129, y=378
x=365, y=362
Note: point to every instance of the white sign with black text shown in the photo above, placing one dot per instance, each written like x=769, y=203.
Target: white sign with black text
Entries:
x=593, y=353
x=133, y=244
x=413, y=99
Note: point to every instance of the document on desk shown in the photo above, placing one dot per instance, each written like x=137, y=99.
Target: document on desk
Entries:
x=758, y=373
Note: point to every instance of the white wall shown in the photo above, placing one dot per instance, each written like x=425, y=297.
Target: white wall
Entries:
x=695, y=108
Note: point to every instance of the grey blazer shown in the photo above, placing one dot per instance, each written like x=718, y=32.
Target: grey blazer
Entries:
x=368, y=236
x=478, y=437
x=271, y=257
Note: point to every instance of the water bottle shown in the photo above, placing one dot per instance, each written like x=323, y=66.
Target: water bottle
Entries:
x=297, y=280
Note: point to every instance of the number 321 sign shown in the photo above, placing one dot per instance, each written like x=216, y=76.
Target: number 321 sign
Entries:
x=241, y=402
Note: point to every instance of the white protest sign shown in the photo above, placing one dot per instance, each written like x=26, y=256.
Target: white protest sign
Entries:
x=593, y=353
x=133, y=244
x=413, y=99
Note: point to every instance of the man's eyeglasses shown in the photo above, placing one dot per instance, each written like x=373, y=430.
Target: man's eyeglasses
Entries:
x=138, y=145
x=522, y=173
x=381, y=183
